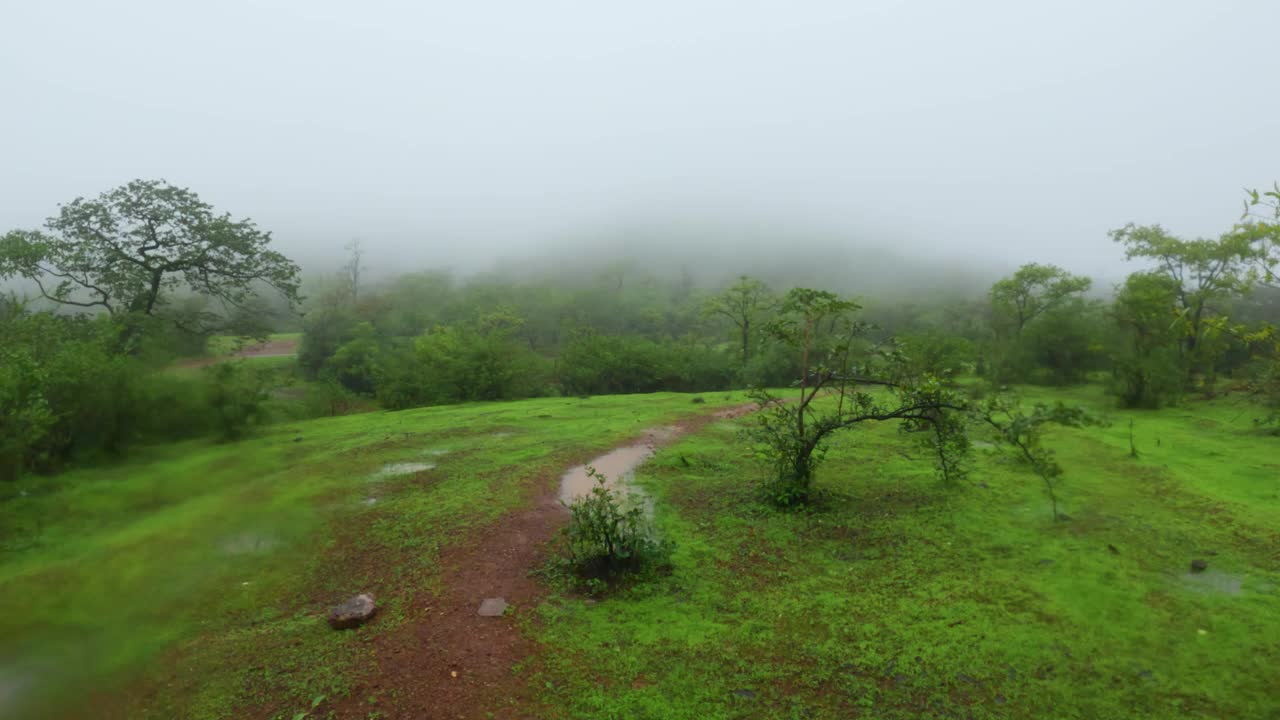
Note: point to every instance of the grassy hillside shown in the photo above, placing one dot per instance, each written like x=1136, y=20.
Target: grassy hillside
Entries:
x=205, y=569
x=895, y=598
x=191, y=580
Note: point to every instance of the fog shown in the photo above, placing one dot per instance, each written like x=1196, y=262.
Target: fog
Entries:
x=469, y=134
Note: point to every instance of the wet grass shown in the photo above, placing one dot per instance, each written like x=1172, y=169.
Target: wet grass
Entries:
x=894, y=597
x=194, y=577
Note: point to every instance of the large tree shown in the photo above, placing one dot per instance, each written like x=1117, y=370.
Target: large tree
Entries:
x=1145, y=360
x=1033, y=290
x=744, y=303
x=1204, y=273
x=128, y=250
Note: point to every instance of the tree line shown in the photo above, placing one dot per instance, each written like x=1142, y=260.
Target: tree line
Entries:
x=148, y=271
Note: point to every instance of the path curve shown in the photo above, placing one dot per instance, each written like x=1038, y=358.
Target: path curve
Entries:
x=447, y=661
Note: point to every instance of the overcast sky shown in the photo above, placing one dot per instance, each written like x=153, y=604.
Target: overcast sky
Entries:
x=452, y=132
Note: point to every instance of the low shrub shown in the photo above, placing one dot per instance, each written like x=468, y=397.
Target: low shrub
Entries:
x=606, y=541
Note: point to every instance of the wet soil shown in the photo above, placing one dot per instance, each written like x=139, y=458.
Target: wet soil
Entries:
x=618, y=466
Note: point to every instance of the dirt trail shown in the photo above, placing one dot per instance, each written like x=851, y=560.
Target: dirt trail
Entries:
x=270, y=348
x=447, y=661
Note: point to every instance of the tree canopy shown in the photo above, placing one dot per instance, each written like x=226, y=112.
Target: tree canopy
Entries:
x=130, y=248
x=1034, y=290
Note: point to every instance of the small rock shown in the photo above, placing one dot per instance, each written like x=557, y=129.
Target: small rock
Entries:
x=1045, y=561
x=1000, y=700
x=492, y=607
x=1199, y=565
x=745, y=694
x=352, y=613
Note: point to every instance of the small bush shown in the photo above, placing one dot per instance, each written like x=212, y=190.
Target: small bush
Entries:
x=236, y=398
x=605, y=541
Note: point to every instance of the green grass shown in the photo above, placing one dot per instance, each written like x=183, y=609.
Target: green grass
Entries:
x=203, y=570
x=895, y=597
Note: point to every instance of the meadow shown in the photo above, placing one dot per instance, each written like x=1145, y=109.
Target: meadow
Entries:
x=895, y=597
x=191, y=580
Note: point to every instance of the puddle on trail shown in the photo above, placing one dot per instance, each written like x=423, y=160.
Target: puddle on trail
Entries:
x=618, y=466
x=406, y=468
x=1214, y=581
x=249, y=543
x=13, y=687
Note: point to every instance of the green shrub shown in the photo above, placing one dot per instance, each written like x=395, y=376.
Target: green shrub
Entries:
x=25, y=417
x=605, y=540
x=355, y=363
x=237, y=397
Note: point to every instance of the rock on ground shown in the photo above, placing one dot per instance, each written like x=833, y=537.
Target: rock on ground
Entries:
x=353, y=612
x=492, y=607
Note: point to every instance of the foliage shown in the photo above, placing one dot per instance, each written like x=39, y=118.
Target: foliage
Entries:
x=355, y=363
x=1032, y=291
x=1260, y=228
x=1146, y=366
x=598, y=364
x=69, y=393
x=1200, y=273
x=131, y=248
x=938, y=353
x=1025, y=430
x=745, y=303
x=25, y=417
x=792, y=436
x=1064, y=345
x=237, y=397
x=478, y=360
x=1038, y=333
x=606, y=536
x=1264, y=383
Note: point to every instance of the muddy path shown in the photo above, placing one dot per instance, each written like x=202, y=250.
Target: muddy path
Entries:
x=447, y=661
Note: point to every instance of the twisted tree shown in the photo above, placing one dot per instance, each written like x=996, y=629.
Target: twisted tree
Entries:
x=128, y=250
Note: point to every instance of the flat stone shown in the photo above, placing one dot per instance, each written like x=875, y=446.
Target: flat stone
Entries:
x=352, y=613
x=492, y=607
